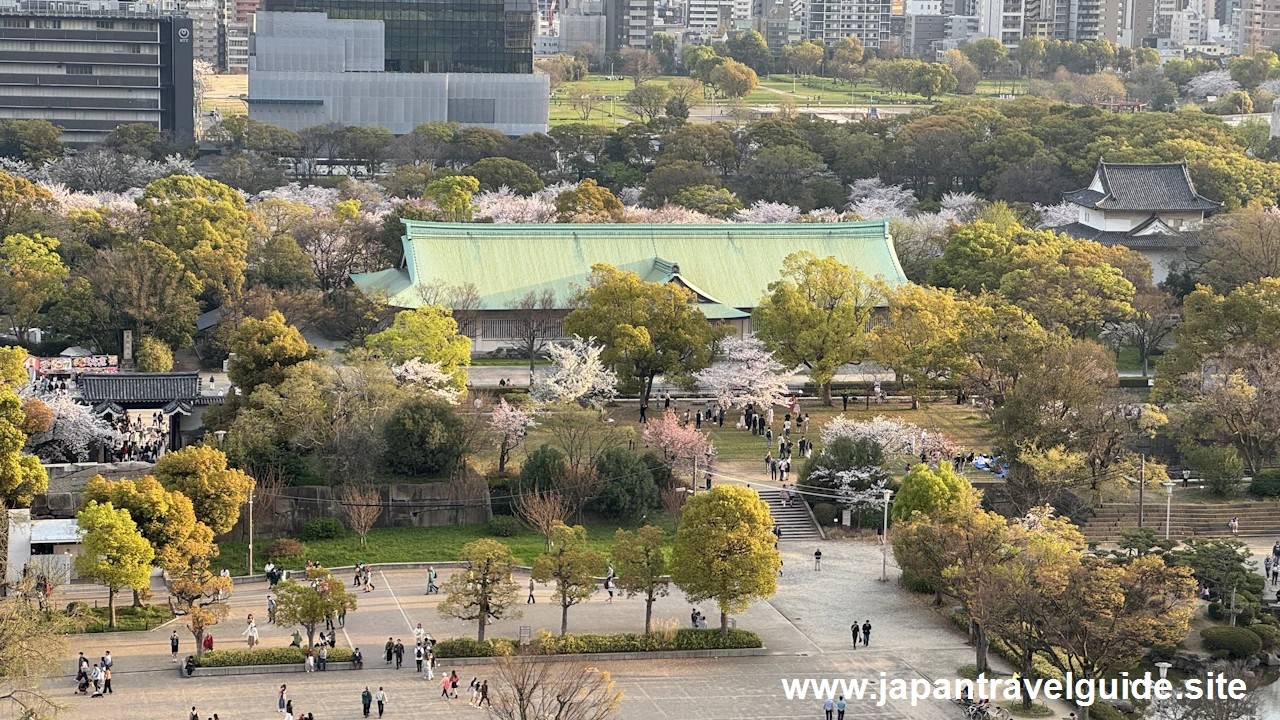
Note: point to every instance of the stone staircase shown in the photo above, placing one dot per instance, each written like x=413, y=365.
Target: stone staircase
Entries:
x=795, y=521
x=1186, y=520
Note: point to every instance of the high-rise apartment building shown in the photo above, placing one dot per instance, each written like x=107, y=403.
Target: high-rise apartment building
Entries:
x=88, y=67
x=204, y=30
x=867, y=20
x=709, y=15
x=1002, y=20
x=1259, y=25
x=307, y=68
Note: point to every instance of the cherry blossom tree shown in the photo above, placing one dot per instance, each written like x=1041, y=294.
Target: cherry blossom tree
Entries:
x=510, y=424
x=576, y=375
x=668, y=214
x=74, y=432
x=894, y=435
x=1216, y=83
x=745, y=372
x=874, y=200
x=427, y=378
x=857, y=489
x=961, y=207
x=768, y=212
x=1063, y=213
x=683, y=447
x=504, y=206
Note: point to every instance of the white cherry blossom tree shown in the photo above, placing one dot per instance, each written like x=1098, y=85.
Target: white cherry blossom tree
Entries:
x=576, y=375
x=768, y=212
x=745, y=372
x=510, y=424
x=896, y=436
x=428, y=378
x=74, y=433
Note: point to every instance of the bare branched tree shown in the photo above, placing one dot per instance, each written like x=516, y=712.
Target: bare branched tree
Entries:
x=542, y=511
x=534, y=321
x=672, y=500
x=269, y=482
x=531, y=690
x=33, y=644
x=464, y=300
x=361, y=506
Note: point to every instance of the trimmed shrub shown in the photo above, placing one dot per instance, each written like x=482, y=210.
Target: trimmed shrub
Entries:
x=323, y=528
x=283, y=548
x=1233, y=643
x=424, y=438
x=1265, y=484
x=916, y=584
x=629, y=491
x=1103, y=711
x=266, y=656
x=547, y=644
x=825, y=513
x=504, y=526
x=152, y=355
x=1268, y=634
x=1216, y=611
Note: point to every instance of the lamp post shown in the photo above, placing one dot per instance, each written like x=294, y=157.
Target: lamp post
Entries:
x=884, y=539
x=1168, y=501
x=251, y=530
x=222, y=435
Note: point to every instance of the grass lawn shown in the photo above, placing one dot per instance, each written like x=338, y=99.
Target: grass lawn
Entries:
x=128, y=618
x=414, y=544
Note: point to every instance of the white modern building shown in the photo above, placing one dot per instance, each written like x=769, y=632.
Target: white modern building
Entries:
x=832, y=20
x=306, y=69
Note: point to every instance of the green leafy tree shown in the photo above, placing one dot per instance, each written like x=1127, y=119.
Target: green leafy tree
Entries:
x=648, y=329
x=817, y=315
x=430, y=334
x=587, y=203
x=22, y=204
x=708, y=200
x=205, y=223
x=497, y=172
x=664, y=51
x=750, y=49
x=115, y=554
x=724, y=550
x=920, y=338
x=485, y=590
x=424, y=438
x=641, y=563
x=453, y=196
x=166, y=518
x=671, y=178
x=152, y=355
x=733, y=78
x=985, y=53
x=263, y=350
x=803, y=58
x=31, y=275
x=35, y=141
x=925, y=490
x=22, y=477
x=571, y=566
x=628, y=491
x=201, y=473
x=136, y=139
x=647, y=101
x=301, y=604
x=141, y=286
x=930, y=79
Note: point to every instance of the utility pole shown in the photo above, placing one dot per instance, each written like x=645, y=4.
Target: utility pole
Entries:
x=251, y=532
x=1142, y=481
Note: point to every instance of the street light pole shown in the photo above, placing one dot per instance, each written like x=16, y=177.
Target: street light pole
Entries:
x=251, y=532
x=1168, y=501
x=884, y=539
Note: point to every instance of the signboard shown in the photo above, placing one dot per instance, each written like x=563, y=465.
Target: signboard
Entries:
x=128, y=345
x=88, y=364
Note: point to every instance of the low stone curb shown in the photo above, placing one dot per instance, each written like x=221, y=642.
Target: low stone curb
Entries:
x=459, y=662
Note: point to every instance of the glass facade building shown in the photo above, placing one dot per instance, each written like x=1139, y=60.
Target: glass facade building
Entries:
x=440, y=36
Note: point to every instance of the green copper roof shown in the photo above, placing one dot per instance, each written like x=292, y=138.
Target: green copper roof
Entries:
x=730, y=264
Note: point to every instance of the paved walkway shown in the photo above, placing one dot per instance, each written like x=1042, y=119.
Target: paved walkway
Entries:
x=805, y=627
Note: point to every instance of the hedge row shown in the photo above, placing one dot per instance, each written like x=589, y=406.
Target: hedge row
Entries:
x=546, y=644
x=266, y=656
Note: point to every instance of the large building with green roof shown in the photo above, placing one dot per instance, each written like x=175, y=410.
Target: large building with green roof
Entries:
x=728, y=266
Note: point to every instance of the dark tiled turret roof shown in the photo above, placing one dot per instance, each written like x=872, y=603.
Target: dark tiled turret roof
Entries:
x=140, y=387
x=1153, y=187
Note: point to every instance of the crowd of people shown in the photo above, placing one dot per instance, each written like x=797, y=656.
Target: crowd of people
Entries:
x=142, y=439
x=94, y=679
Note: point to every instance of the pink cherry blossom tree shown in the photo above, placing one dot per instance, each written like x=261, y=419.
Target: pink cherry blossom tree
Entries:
x=683, y=448
x=745, y=372
x=768, y=212
x=510, y=424
x=74, y=432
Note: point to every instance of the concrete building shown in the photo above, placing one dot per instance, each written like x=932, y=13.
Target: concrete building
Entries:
x=1002, y=20
x=41, y=547
x=1187, y=27
x=920, y=35
x=90, y=66
x=1151, y=208
x=1259, y=25
x=307, y=69
x=628, y=23
x=709, y=15
x=727, y=267
x=867, y=20
x=235, y=46
x=204, y=30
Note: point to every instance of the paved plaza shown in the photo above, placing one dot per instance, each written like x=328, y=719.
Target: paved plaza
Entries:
x=805, y=628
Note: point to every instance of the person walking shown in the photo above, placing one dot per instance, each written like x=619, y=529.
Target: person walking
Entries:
x=841, y=705
x=444, y=688
x=866, y=633
x=391, y=646
x=310, y=663
x=381, y=697
x=453, y=684
x=357, y=659
x=817, y=560
x=366, y=700
x=271, y=610
x=106, y=678
x=531, y=600
x=418, y=657
x=194, y=715
x=251, y=633
x=829, y=706
x=173, y=646
x=282, y=698
x=854, y=629
x=399, y=652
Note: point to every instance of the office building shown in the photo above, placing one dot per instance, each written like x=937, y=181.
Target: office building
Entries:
x=1002, y=20
x=307, y=69
x=709, y=15
x=921, y=34
x=1259, y=25
x=90, y=66
x=628, y=23
x=867, y=20
x=204, y=30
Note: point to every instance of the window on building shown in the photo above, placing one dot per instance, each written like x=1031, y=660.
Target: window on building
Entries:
x=48, y=24
x=79, y=69
x=106, y=25
x=15, y=23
